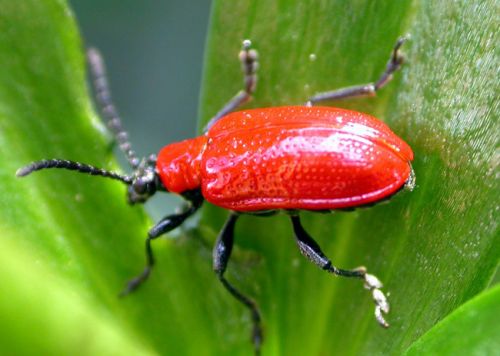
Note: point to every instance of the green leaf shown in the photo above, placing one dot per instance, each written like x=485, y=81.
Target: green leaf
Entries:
x=69, y=242
x=472, y=329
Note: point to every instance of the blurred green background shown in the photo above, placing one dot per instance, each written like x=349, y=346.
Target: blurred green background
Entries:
x=153, y=52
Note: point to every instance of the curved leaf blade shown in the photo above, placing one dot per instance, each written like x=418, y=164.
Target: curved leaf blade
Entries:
x=472, y=329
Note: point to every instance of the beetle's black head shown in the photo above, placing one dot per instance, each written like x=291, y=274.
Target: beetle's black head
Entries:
x=145, y=181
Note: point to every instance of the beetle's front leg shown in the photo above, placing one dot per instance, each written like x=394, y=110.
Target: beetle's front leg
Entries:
x=311, y=250
x=249, y=65
x=369, y=89
x=165, y=225
x=221, y=253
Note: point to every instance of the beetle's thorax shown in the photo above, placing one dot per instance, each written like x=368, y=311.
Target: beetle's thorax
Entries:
x=178, y=164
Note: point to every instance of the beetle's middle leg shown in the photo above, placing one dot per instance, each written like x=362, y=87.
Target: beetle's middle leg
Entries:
x=311, y=250
x=249, y=65
x=369, y=89
x=221, y=253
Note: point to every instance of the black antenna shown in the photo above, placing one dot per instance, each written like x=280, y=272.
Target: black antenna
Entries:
x=105, y=103
x=72, y=166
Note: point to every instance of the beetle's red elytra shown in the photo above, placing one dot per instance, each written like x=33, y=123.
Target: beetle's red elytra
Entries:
x=292, y=157
x=262, y=161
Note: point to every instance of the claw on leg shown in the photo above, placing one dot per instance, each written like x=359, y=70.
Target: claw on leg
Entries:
x=394, y=63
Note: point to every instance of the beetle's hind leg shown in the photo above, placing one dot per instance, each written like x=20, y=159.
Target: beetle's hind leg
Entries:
x=369, y=89
x=311, y=250
x=221, y=253
x=249, y=65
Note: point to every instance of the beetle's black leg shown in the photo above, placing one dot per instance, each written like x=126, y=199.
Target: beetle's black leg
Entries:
x=311, y=250
x=221, y=253
x=165, y=225
x=105, y=103
x=369, y=89
x=249, y=64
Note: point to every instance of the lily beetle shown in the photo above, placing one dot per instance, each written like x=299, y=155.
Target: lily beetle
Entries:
x=262, y=161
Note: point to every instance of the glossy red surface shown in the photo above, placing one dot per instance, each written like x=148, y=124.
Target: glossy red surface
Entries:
x=178, y=164
x=292, y=157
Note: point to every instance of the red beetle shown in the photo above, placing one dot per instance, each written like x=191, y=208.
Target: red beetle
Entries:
x=261, y=161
